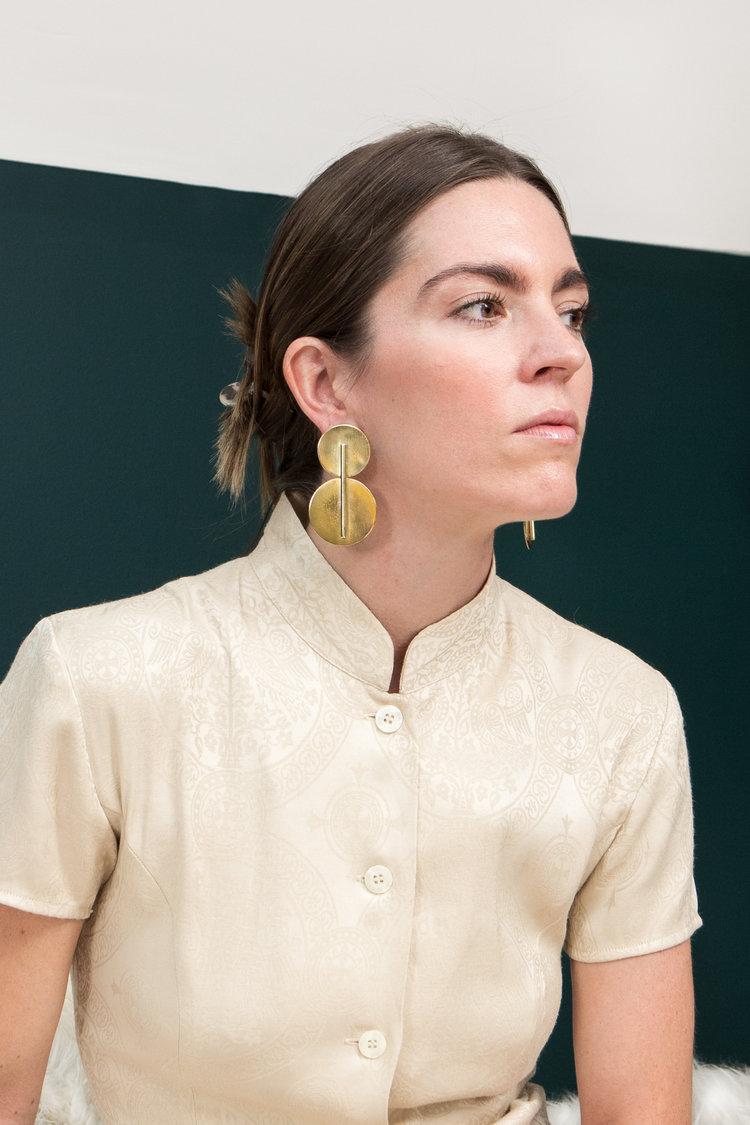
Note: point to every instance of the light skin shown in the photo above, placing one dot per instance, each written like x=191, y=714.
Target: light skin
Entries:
x=443, y=394
x=444, y=391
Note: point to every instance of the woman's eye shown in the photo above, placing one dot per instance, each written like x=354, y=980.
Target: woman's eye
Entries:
x=579, y=317
x=487, y=304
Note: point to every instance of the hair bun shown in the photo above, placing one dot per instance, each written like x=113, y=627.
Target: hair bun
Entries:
x=242, y=324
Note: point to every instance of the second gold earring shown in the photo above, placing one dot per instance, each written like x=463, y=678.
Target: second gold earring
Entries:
x=342, y=510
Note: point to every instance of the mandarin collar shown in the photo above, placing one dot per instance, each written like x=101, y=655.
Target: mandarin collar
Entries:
x=319, y=605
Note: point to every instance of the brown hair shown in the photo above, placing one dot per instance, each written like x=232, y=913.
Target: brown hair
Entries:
x=338, y=242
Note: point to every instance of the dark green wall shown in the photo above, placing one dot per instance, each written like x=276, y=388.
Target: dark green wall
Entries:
x=114, y=353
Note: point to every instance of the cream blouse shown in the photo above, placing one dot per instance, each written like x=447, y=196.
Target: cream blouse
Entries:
x=309, y=900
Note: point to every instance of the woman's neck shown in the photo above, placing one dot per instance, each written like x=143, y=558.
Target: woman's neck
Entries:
x=407, y=577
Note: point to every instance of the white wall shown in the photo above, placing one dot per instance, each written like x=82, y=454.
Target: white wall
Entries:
x=638, y=111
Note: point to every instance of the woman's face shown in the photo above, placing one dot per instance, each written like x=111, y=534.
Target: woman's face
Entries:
x=459, y=365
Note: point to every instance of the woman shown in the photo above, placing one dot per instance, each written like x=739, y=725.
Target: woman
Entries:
x=327, y=814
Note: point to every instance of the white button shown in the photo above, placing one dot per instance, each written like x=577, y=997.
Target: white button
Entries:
x=388, y=718
x=371, y=1043
x=378, y=879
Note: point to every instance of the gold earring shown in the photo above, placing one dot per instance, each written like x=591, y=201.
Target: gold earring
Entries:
x=342, y=510
x=528, y=533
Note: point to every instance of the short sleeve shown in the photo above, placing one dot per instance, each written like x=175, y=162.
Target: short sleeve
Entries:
x=57, y=846
x=641, y=895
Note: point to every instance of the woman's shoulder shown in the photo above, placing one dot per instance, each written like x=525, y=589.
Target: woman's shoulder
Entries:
x=189, y=601
x=562, y=644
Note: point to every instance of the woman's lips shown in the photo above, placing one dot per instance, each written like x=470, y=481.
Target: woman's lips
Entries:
x=565, y=434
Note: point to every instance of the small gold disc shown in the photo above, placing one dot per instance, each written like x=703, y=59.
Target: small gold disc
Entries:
x=357, y=452
x=358, y=512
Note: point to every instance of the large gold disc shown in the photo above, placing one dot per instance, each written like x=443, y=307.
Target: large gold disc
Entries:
x=358, y=512
x=356, y=453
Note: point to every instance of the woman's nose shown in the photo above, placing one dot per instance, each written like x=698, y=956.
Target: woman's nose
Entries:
x=556, y=348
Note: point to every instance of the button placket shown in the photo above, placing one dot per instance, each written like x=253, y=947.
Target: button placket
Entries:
x=378, y=879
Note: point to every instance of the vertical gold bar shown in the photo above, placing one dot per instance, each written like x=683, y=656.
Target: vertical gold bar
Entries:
x=342, y=490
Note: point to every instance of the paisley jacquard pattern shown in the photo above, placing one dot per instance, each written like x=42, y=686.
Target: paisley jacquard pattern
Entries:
x=309, y=900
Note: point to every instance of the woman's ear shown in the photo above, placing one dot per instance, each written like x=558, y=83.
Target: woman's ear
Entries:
x=312, y=372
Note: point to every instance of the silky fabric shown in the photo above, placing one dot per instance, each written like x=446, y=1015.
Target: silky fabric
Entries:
x=310, y=900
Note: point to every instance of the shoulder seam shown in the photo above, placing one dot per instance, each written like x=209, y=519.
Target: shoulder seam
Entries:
x=64, y=663
x=657, y=743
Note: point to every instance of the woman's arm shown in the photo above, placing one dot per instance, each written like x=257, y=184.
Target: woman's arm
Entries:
x=633, y=1038
x=36, y=953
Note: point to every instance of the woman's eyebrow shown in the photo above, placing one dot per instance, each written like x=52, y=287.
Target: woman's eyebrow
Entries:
x=571, y=278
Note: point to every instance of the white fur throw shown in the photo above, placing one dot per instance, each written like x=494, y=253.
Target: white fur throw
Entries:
x=721, y=1094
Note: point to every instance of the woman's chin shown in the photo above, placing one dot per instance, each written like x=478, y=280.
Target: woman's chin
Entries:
x=547, y=508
